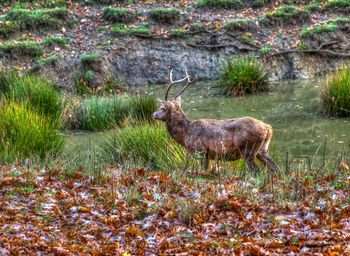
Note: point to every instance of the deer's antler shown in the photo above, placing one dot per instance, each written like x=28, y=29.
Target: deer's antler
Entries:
x=172, y=82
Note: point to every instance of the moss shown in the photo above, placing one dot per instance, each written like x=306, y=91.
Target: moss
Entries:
x=118, y=15
x=178, y=33
x=247, y=37
x=125, y=30
x=224, y=4
x=165, y=15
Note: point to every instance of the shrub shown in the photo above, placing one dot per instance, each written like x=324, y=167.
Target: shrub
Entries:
x=165, y=15
x=25, y=133
x=225, y=4
x=145, y=145
x=39, y=93
x=239, y=76
x=30, y=48
x=336, y=93
x=118, y=15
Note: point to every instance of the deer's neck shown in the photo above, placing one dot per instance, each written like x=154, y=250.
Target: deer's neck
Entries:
x=177, y=126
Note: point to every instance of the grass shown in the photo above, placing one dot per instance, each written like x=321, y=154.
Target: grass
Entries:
x=266, y=49
x=49, y=60
x=103, y=113
x=54, y=41
x=123, y=30
x=337, y=4
x=330, y=26
x=237, y=24
x=286, y=15
x=16, y=49
x=239, y=76
x=36, y=92
x=144, y=145
x=178, y=33
x=165, y=15
x=224, y=4
x=118, y=15
x=90, y=58
x=336, y=93
x=27, y=134
x=27, y=19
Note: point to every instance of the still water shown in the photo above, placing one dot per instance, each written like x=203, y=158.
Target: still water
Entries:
x=292, y=108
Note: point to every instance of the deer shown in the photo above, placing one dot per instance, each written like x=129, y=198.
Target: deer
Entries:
x=230, y=139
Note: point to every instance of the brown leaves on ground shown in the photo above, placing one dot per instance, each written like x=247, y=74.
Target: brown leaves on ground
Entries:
x=140, y=212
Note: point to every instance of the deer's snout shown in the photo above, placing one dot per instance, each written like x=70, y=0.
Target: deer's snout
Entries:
x=155, y=115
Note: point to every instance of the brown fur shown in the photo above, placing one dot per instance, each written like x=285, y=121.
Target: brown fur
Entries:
x=231, y=139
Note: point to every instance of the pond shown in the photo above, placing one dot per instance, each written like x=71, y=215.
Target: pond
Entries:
x=292, y=108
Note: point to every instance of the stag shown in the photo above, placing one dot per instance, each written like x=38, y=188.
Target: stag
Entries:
x=230, y=139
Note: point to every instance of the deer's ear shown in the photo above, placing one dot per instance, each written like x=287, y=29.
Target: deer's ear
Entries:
x=178, y=99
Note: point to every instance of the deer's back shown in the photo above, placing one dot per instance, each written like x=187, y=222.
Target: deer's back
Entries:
x=225, y=135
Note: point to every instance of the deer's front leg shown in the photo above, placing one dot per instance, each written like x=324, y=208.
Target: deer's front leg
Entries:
x=206, y=161
x=187, y=159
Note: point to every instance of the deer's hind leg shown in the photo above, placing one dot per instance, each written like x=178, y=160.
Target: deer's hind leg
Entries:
x=265, y=158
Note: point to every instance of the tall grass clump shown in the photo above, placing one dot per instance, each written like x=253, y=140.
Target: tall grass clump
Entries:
x=27, y=134
x=239, y=76
x=145, y=145
x=336, y=93
x=103, y=113
x=7, y=78
x=38, y=92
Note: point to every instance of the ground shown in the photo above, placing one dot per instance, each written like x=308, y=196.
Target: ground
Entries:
x=140, y=212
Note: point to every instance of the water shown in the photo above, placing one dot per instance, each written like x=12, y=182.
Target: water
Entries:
x=292, y=108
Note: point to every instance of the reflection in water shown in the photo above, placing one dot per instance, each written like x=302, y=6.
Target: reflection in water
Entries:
x=292, y=108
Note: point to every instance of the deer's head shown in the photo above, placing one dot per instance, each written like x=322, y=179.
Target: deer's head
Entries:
x=169, y=108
